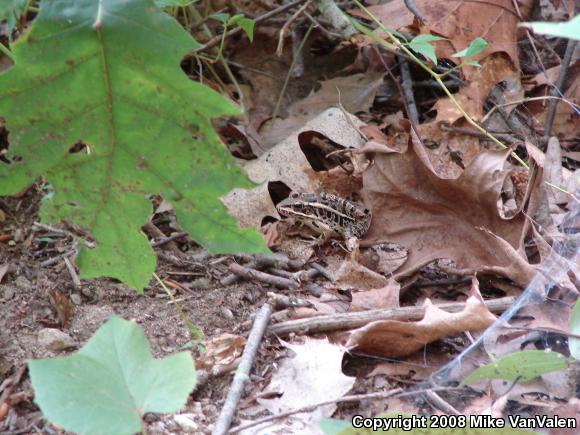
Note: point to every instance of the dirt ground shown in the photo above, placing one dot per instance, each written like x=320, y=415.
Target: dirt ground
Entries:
x=26, y=310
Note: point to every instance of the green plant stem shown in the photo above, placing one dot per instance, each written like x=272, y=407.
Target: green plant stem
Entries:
x=292, y=65
x=4, y=50
x=438, y=79
x=222, y=42
x=195, y=333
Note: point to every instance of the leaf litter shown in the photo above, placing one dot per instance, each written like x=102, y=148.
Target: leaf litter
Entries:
x=446, y=202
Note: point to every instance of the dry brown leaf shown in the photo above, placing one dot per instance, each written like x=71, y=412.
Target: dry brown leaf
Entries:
x=355, y=93
x=438, y=218
x=385, y=297
x=393, y=338
x=221, y=350
x=461, y=22
x=351, y=275
x=494, y=69
x=287, y=163
x=565, y=125
x=3, y=270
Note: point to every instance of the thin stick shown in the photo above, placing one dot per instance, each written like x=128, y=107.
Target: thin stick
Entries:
x=351, y=398
x=407, y=85
x=557, y=89
x=242, y=375
x=336, y=17
x=294, y=60
x=217, y=39
x=344, y=321
x=168, y=239
x=73, y=273
x=415, y=11
x=53, y=260
x=398, y=392
x=264, y=277
x=286, y=26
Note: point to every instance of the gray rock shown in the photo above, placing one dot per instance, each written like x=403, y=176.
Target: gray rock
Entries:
x=55, y=340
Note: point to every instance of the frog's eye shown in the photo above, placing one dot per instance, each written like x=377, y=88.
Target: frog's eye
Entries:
x=294, y=195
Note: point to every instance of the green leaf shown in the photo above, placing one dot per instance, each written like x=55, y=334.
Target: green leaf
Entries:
x=475, y=47
x=10, y=11
x=525, y=365
x=332, y=426
x=422, y=45
x=568, y=29
x=246, y=24
x=174, y=3
x=111, y=382
x=107, y=73
x=221, y=17
x=574, y=328
x=473, y=63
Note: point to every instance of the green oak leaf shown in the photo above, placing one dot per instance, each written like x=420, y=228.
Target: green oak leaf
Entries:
x=523, y=366
x=106, y=74
x=111, y=382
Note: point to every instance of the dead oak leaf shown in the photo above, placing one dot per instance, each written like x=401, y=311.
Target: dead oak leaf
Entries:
x=437, y=218
x=394, y=338
x=461, y=22
x=494, y=69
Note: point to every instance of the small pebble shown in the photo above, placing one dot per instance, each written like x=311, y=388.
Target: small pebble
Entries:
x=227, y=313
x=76, y=299
x=7, y=292
x=186, y=423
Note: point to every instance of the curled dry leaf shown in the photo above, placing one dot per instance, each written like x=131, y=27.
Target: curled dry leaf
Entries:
x=287, y=163
x=222, y=350
x=393, y=338
x=438, y=218
x=355, y=93
x=351, y=275
x=385, y=297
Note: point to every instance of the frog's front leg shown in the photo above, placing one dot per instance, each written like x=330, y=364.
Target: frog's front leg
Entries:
x=352, y=243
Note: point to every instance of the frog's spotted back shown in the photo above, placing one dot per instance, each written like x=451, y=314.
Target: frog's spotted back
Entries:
x=327, y=213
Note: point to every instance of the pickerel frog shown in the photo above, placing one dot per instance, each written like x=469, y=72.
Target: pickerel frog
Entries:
x=327, y=214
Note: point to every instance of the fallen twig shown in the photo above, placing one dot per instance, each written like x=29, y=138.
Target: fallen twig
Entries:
x=336, y=17
x=242, y=375
x=344, y=321
x=351, y=398
x=264, y=277
x=557, y=89
x=407, y=86
x=73, y=273
x=286, y=27
x=168, y=239
x=53, y=260
x=218, y=38
x=325, y=273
